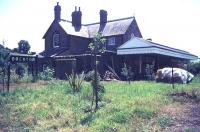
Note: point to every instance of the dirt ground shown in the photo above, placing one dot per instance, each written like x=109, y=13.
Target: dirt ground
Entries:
x=185, y=116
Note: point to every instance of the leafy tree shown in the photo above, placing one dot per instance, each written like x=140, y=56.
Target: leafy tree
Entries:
x=4, y=56
x=98, y=46
x=23, y=47
x=4, y=53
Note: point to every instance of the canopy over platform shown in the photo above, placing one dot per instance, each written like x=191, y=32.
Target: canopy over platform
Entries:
x=141, y=46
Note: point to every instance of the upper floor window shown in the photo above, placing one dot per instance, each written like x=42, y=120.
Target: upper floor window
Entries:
x=111, y=41
x=132, y=35
x=56, y=40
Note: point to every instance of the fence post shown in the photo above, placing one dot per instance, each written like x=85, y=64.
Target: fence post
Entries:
x=36, y=62
x=8, y=81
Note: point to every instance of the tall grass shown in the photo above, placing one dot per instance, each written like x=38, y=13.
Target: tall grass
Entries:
x=125, y=107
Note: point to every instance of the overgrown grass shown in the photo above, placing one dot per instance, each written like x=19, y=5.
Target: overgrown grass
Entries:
x=55, y=107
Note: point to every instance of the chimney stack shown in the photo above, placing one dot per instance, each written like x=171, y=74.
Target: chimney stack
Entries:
x=76, y=17
x=57, y=12
x=103, y=17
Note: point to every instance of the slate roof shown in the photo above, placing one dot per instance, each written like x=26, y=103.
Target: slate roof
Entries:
x=78, y=31
x=141, y=46
x=112, y=27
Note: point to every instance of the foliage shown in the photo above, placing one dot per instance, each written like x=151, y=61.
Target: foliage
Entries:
x=4, y=53
x=89, y=76
x=196, y=79
x=127, y=73
x=75, y=81
x=17, y=76
x=150, y=71
x=164, y=121
x=20, y=70
x=98, y=46
x=23, y=47
x=47, y=74
x=194, y=67
x=54, y=108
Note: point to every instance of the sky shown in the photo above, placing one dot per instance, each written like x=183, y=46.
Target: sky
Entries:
x=174, y=23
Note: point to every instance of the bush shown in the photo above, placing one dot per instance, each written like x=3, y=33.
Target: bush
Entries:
x=150, y=71
x=194, y=68
x=75, y=81
x=14, y=78
x=127, y=73
x=47, y=74
x=27, y=78
x=20, y=70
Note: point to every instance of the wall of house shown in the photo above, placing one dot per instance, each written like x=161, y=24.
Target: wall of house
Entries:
x=133, y=29
x=118, y=42
x=78, y=45
x=64, y=38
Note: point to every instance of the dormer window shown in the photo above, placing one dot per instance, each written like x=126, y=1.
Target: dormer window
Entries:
x=111, y=41
x=56, y=40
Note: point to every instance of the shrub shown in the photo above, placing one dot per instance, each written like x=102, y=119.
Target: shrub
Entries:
x=47, y=74
x=20, y=70
x=194, y=68
x=75, y=81
x=127, y=72
x=150, y=71
x=27, y=78
x=14, y=78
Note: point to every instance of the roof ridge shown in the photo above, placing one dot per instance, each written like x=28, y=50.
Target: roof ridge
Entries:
x=113, y=20
x=110, y=21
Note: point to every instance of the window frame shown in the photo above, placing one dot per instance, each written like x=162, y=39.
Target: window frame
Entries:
x=56, y=39
x=111, y=41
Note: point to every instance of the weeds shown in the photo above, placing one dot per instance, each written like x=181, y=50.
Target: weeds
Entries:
x=75, y=81
x=164, y=121
x=54, y=108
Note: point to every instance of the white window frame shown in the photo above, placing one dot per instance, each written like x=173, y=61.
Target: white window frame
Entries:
x=56, y=40
x=111, y=41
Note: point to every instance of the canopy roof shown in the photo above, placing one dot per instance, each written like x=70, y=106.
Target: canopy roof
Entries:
x=141, y=46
